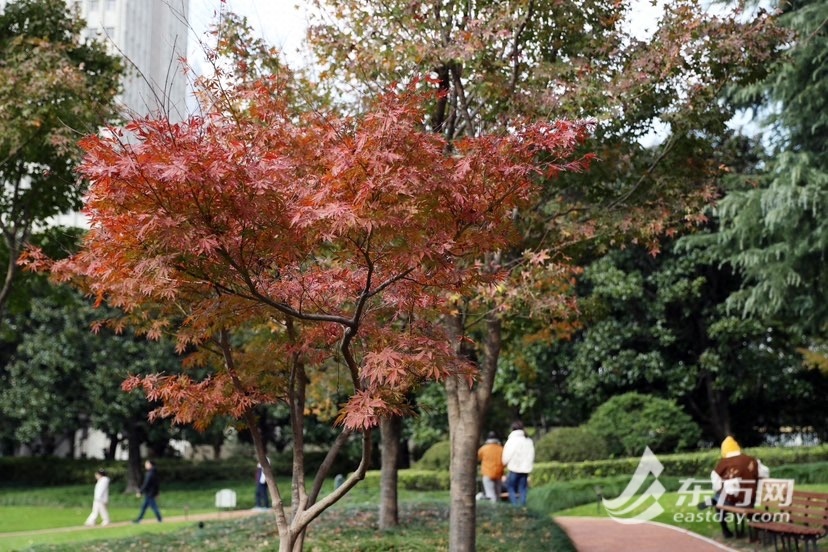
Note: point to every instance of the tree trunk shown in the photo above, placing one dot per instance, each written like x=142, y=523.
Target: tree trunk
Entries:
x=464, y=430
x=391, y=434
x=466, y=409
x=133, y=460
x=112, y=449
x=719, y=408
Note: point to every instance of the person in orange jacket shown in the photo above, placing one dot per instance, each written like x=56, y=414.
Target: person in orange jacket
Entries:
x=491, y=466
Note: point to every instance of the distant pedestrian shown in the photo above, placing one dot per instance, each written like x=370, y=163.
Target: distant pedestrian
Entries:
x=149, y=490
x=519, y=459
x=262, y=496
x=100, y=500
x=491, y=466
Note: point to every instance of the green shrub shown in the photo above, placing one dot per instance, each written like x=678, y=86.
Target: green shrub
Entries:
x=682, y=465
x=631, y=422
x=414, y=479
x=571, y=444
x=438, y=457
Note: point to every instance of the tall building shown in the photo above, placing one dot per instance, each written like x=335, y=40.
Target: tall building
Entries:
x=151, y=35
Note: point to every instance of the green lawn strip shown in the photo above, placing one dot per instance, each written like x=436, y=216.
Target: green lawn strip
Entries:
x=70, y=505
x=424, y=527
x=100, y=537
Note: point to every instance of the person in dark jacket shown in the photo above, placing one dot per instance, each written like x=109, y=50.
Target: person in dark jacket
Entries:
x=149, y=490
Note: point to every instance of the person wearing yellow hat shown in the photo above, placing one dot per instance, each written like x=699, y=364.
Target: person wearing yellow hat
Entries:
x=735, y=477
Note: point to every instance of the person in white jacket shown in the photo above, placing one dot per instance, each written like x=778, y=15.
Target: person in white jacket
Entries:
x=100, y=500
x=518, y=458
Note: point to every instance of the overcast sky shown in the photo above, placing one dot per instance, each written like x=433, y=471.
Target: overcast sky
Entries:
x=281, y=23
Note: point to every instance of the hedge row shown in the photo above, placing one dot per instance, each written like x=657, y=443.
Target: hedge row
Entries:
x=50, y=471
x=39, y=471
x=689, y=464
x=413, y=479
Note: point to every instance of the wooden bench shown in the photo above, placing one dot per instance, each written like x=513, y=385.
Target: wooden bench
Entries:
x=770, y=494
x=801, y=519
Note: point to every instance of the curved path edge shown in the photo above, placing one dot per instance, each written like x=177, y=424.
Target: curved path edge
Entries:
x=605, y=535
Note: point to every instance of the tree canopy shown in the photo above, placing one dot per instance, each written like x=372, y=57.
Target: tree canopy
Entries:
x=54, y=88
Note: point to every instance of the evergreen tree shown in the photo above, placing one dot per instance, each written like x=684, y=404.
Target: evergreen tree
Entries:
x=774, y=229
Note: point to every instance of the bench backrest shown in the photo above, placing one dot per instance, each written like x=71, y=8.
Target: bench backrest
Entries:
x=808, y=508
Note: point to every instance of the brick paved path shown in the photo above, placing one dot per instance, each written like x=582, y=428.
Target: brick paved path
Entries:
x=606, y=535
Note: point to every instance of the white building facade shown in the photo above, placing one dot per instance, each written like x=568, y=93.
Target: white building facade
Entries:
x=151, y=36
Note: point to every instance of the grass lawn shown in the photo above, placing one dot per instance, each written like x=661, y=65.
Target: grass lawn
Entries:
x=100, y=537
x=350, y=525
x=49, y=507
x=424, y=528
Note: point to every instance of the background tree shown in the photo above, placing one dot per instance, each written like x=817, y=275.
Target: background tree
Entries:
x=63, y=378
x=499, y=60
x=53, y=89
x=661, y=326
x=773, y=229
x=57, y=242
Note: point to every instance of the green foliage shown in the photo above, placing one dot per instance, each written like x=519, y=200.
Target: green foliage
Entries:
x=430, y=425
x=571, y=444
x=51, y=471
x=660, y=326
x=632, y=421
x=63, y=376
x=683, y=465
x=438, y=457
x=416, y=479
x=550, y=498
x=816, y=472
x=776, y=232
x=52, y=87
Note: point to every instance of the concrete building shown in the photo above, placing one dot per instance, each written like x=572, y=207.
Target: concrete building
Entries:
x=152, y=36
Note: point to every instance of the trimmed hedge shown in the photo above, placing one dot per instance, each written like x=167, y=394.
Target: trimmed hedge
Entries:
x=688, y=464
x=571, y=444
x=52, y=471
x=414, y=479
x=437, y=457
x=39, y=471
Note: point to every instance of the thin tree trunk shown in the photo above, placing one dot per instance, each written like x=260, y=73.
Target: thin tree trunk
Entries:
x=391, y=434
x=112, y=449
x=718, y=408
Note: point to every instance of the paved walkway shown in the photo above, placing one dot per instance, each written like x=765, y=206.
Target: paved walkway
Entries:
x=606, y=535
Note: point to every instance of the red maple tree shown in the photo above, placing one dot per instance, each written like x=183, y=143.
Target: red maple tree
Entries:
x=270, y=241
